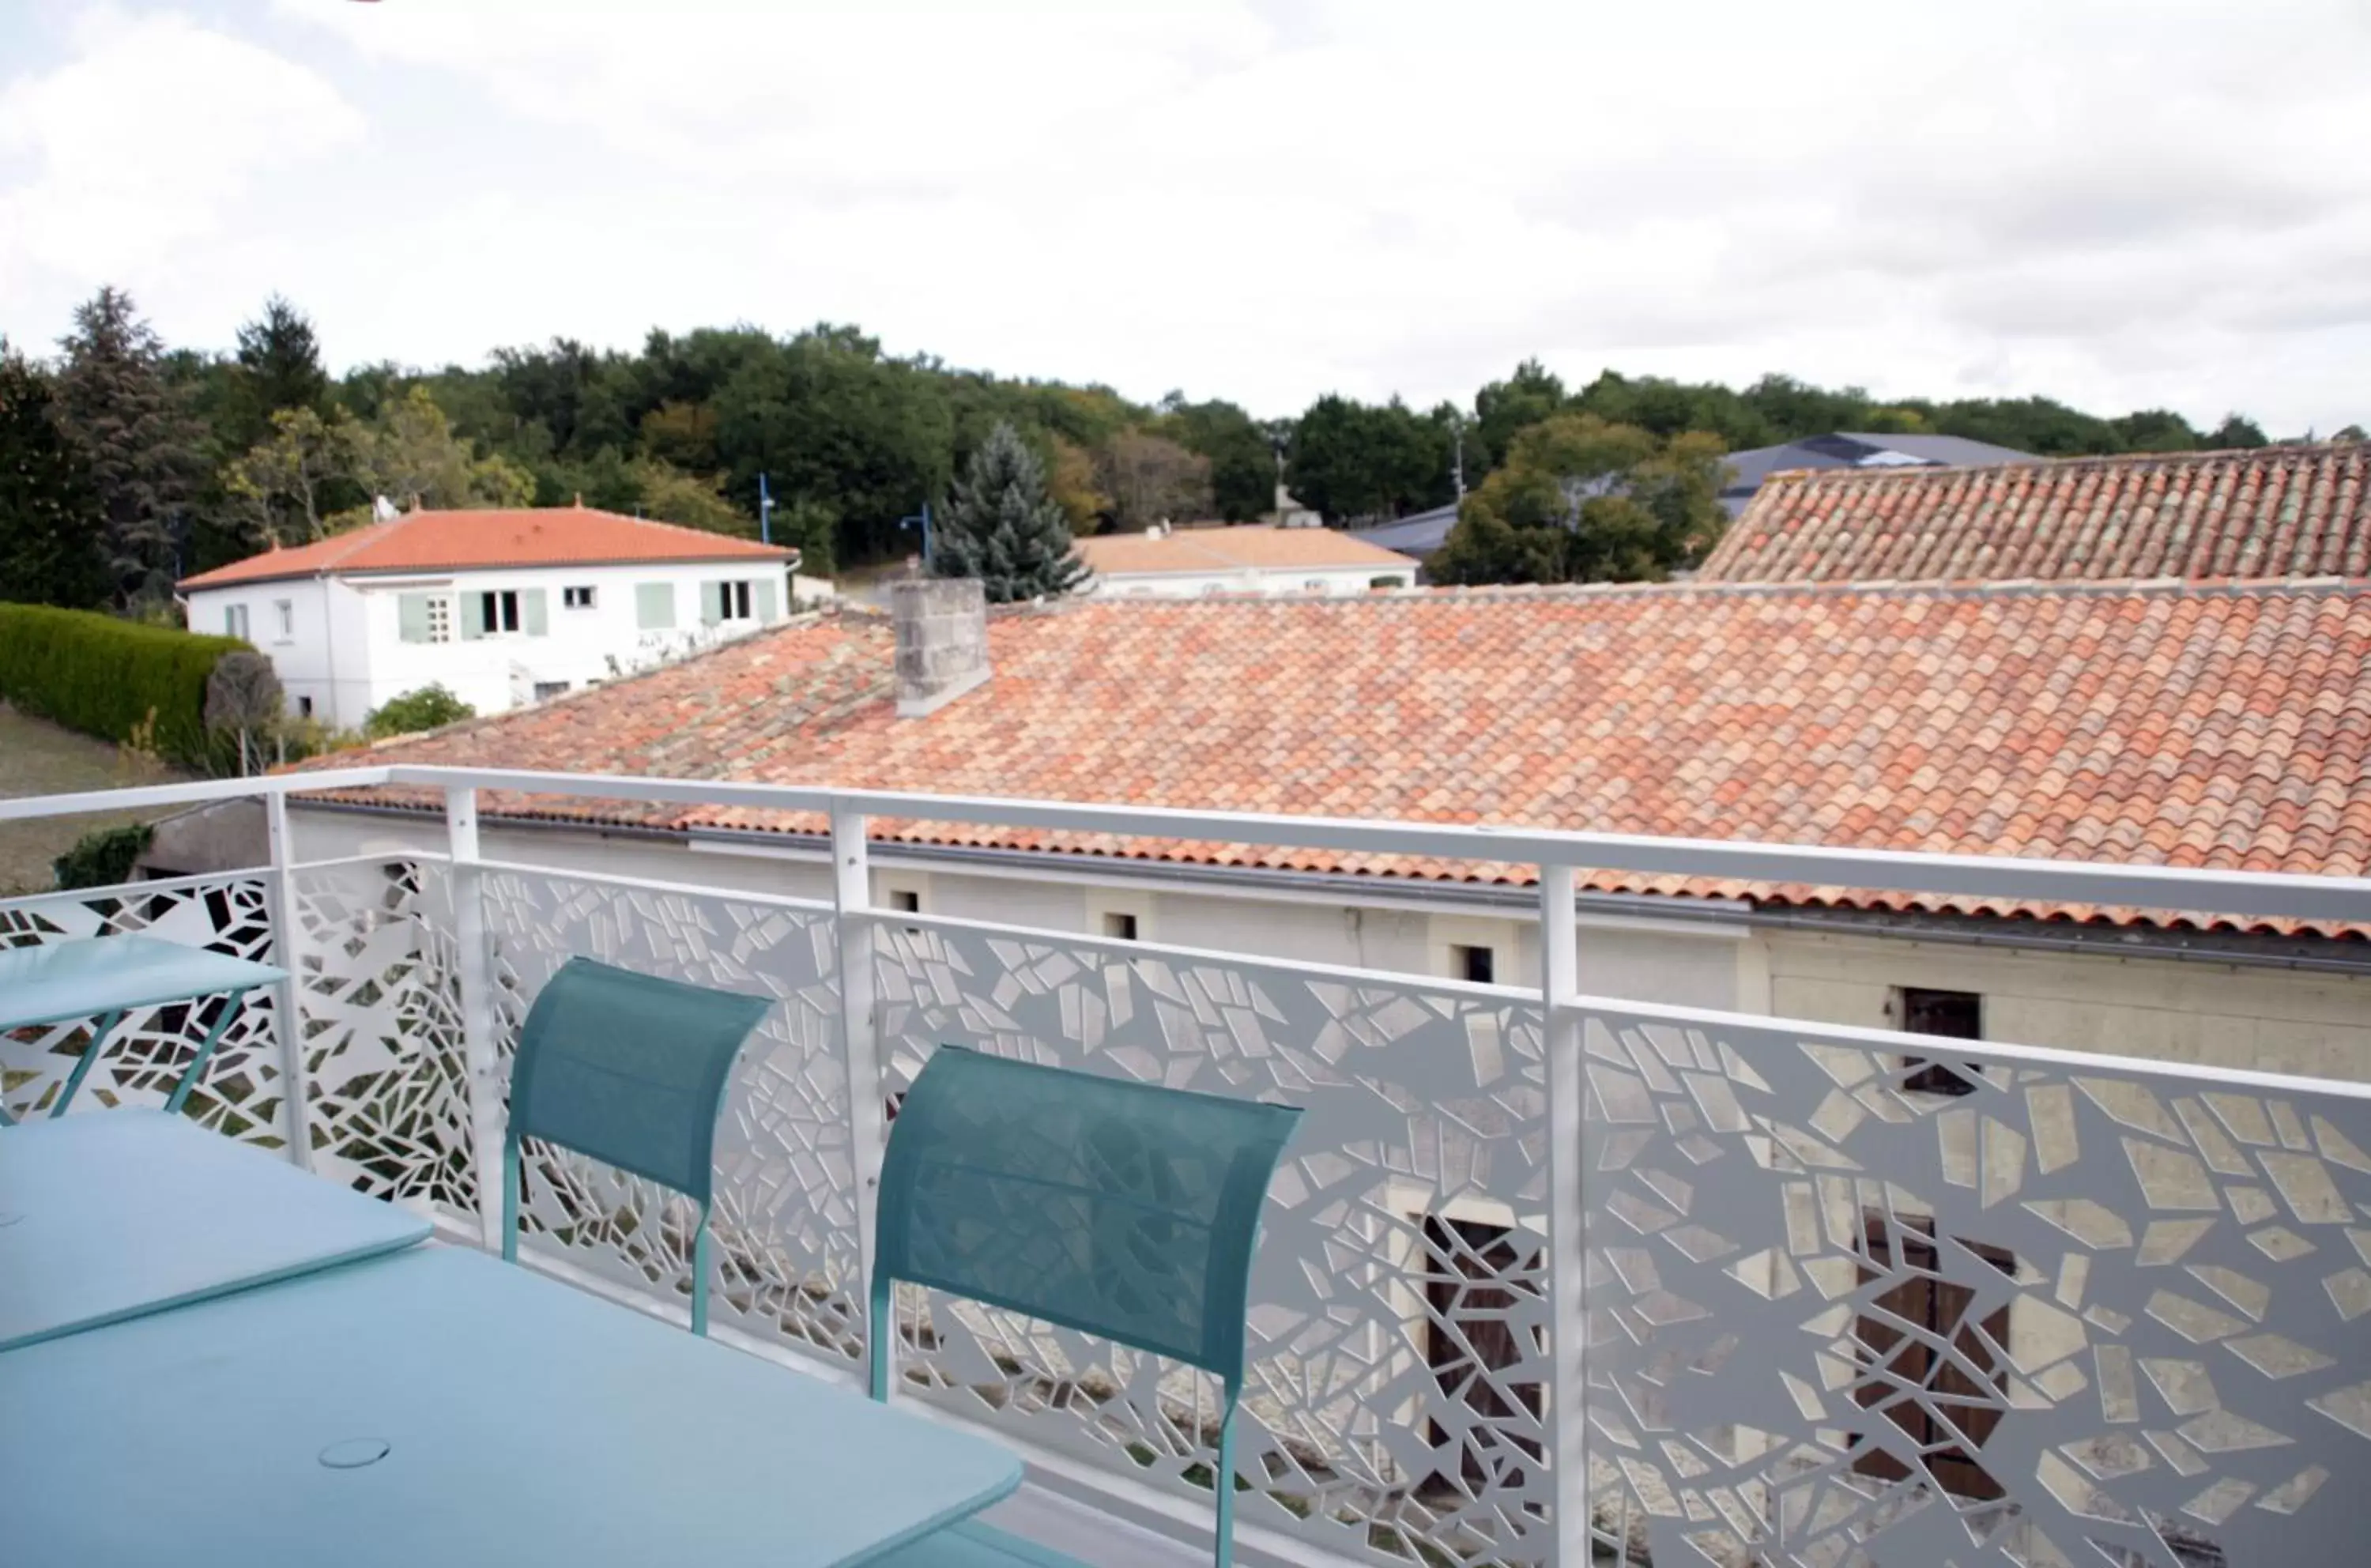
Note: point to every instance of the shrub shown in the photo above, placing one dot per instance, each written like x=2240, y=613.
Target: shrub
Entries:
x=106, y=678
x=102, y=857
x=415, y=711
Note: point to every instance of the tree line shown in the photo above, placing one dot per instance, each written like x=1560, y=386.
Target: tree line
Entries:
x=126, y=463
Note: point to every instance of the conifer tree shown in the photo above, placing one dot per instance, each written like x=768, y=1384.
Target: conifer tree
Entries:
x=49, y=530
x=1003, y=528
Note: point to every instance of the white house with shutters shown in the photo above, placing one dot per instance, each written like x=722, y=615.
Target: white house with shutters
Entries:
x=502, y=608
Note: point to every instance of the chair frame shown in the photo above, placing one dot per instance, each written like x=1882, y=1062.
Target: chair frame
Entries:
x=513, y=1136
x=882, y=1336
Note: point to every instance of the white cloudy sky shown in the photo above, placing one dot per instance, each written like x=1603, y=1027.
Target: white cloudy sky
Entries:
x=2162, y=202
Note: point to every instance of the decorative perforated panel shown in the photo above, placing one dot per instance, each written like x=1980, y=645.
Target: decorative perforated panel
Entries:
x=1400, y=1314
x=383, y=1056
x=785, y=1224
x=143, y=1057
x=2081, y=1313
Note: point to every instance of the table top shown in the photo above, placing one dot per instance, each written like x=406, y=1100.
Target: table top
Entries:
x=440, y=1406
x=113, y=1213
x=100, y=974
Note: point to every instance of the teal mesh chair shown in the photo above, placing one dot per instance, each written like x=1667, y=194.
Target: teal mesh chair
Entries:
x=631, y=1069
x=1123, y=1210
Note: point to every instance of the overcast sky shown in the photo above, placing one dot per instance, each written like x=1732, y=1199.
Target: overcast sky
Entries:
x=2117, y=205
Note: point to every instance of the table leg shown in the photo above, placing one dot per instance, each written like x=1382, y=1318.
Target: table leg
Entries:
x=89, y=1059
x=232, y=1001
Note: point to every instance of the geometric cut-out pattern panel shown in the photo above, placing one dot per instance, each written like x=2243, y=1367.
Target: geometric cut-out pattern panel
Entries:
x=1399, y=1322
x=386, y=1067
x=784, y=1227
x=2071, y=1315
x=147, y=1051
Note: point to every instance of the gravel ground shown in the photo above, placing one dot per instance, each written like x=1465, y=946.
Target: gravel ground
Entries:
x=39, y=758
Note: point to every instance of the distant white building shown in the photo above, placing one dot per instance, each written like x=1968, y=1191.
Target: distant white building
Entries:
x=1188, y=563
x=503, y=608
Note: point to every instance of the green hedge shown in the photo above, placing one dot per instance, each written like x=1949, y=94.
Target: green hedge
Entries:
x=102, y=675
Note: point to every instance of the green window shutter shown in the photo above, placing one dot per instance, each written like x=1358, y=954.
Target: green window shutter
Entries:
x=412, y=616
x=473, y=616
x=762, y=601
x=533, y=618
x=655, y=606
x=711, y=603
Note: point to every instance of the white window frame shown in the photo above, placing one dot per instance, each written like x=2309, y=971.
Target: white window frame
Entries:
x=287, y=608
x=580, y=597
x=736, y=602
x=491, y=602
x=235, y=621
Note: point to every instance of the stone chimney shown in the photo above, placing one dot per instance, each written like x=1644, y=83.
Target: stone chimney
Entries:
x=940, y=624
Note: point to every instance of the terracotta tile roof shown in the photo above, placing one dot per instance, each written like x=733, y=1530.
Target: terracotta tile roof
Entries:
x=454, y=541
x=1256, y=545
x=2225, y=727
x=2276, y=512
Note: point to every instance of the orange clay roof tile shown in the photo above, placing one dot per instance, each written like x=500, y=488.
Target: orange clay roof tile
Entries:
x=461, y=541
x=2096, y=721
x=2272, y=512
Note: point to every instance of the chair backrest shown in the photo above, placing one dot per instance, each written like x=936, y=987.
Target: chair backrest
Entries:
x=631, y=1069
x=1124, y=1210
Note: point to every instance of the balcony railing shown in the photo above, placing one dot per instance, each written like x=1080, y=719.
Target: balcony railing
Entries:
x=1546, y=1278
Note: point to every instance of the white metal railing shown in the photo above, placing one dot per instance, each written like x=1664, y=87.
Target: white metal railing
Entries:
x=1546, y=1278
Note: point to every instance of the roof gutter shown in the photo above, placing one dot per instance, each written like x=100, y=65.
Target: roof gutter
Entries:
x=2307, y=954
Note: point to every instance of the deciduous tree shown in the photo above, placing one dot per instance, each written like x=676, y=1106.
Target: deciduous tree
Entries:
x=1580, y=500
x=412, y=457
x=284, y=485
x=1153, y=480
x=1355, y=461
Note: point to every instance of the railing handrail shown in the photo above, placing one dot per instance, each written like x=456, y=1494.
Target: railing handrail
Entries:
x=2263, y=894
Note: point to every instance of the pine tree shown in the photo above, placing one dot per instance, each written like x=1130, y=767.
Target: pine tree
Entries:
x=49, y=539
x=1003, y=528
x=138, y=441
x=279, y=367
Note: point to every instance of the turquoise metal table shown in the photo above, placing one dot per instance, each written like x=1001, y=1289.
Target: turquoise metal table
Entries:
x=105, y=977
x=119, y=1212
x=438, y=1407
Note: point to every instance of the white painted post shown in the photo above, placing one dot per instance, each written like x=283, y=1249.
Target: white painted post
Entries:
x=1567, y=1405
x=475, y=961
x=859, y=1029
x=287, y=997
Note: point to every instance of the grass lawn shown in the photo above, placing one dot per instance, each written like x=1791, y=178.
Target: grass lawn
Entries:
x=39, y=758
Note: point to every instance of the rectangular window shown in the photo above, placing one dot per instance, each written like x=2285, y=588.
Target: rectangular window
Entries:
x=655, y=606
x=736, y=601
x=1478, y=1278
x=1314, y=585
x=304, y=707
x=423, y=617
x=905, y=901
x=1954, y=1015
x=1944, y=1372
x=500, y=611
x=1479, y=964
x=576, y=598
x=1119, y=927
x=546, y=690
x=235, y=621
x=287, y=608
